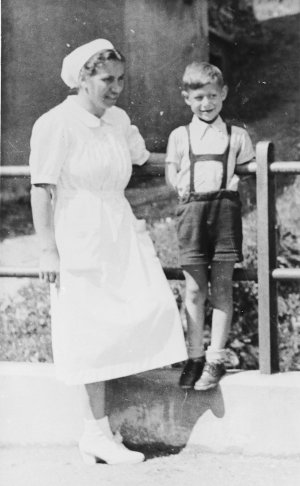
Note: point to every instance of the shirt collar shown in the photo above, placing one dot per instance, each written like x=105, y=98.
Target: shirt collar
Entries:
x=202, y=127
x=85, y=116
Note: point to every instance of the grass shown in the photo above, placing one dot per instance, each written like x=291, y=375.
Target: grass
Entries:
x=265, y=95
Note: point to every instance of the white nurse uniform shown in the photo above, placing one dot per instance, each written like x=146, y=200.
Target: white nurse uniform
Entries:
x=114, y=313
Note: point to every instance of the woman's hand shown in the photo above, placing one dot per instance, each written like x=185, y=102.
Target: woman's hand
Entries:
x=49, y=266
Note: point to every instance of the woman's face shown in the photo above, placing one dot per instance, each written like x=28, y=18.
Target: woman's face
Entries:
x=102, y=90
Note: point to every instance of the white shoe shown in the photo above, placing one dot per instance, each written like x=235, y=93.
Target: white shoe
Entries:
x=98, y=442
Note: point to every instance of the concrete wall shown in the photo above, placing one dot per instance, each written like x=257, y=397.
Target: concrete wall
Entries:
x=161, y=38
x=158, y=37
x=248, y=413
x=36, y=35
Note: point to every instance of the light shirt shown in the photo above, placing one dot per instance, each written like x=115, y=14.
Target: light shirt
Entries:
x=208, y=139
x=66, y=131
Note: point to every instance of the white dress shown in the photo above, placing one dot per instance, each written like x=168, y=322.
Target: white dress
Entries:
x=114, y=313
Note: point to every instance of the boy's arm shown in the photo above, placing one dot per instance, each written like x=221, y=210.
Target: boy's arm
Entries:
x=246, y=151
x=171, y=174
x=42, y=213
x=173, y=158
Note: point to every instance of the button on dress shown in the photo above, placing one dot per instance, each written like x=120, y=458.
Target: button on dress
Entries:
x=114, y=313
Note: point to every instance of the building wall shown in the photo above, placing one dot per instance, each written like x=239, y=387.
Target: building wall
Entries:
x=162, y=36
x=157, y=37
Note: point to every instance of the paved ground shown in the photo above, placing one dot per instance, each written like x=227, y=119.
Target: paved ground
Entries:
x=62, y=466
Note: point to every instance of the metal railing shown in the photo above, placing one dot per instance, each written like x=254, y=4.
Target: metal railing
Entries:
x=267, y=274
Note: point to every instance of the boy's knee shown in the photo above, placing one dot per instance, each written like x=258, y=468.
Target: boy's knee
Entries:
x=196, y=295
x=221, y=297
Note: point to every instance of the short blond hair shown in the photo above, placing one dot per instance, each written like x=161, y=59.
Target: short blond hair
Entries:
x=198, y=74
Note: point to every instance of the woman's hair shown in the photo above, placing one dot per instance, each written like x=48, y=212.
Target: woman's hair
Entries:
x=99, y=59
x=198, y=74
x=90, y=68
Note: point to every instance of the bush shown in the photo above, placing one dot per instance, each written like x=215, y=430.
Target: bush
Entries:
x=25, y=318
x=25, y=328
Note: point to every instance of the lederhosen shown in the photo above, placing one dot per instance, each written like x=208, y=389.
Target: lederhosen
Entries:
x=209, y=224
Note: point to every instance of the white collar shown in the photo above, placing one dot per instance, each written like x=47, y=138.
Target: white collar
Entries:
x=85, y=116
x=202, y=127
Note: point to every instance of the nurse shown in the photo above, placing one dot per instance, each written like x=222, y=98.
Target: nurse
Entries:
x=113, y=313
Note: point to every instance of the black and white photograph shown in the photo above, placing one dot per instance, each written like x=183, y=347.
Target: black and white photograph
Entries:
x=150, y=243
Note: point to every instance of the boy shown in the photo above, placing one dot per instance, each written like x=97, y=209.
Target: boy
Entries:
x=200, y=164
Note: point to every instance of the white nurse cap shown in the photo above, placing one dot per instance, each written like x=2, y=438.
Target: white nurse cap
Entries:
x=74, y=61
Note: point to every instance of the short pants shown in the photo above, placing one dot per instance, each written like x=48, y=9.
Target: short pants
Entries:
x=209, y=228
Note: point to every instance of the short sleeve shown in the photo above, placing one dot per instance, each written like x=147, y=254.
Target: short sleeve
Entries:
x=48, y=150
x=246, y=151
x=174, y=153
x=137, y=148
x=118, y=117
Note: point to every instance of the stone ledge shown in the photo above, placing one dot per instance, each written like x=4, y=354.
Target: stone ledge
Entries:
x=248, y=413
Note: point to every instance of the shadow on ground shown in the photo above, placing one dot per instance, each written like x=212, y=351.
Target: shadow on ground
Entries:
x=164, y=415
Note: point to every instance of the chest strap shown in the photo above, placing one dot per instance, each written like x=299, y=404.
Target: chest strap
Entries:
x=223, y=158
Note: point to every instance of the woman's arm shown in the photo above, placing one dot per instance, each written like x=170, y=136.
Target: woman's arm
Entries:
x=42, y=212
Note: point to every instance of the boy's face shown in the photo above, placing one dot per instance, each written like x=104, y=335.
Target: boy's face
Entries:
x=206, y=102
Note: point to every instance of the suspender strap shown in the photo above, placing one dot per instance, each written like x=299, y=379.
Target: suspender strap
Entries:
x=204, y=157
x=192, y=161
x=225, y=159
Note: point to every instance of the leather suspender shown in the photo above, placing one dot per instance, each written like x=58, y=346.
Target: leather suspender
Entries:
x=205, y=157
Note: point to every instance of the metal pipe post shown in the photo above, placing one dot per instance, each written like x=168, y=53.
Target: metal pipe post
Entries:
x=266, y=255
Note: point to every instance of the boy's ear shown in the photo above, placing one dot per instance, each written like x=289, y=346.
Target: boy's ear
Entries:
x=185, y=96
x=224, y=92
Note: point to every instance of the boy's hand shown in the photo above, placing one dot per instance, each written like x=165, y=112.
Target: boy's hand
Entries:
x=49, y=266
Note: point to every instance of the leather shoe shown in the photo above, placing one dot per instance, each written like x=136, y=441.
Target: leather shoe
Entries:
x=191, y=372
x=211, y=376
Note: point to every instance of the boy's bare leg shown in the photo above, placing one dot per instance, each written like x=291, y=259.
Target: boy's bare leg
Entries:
x=195, y=297
x=221, y=300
